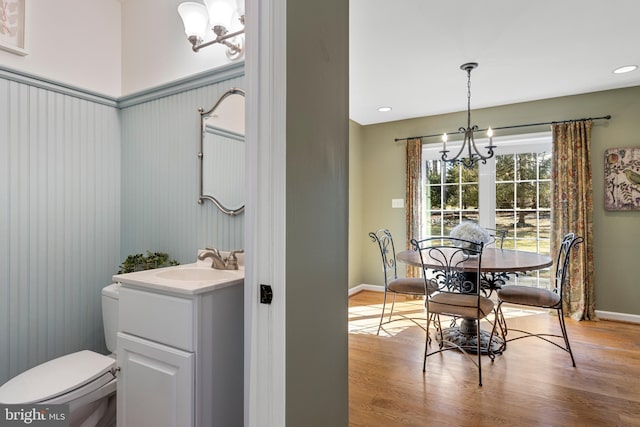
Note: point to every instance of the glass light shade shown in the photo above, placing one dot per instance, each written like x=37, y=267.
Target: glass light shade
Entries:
x=194, y=17
x=240, y=7
x=219, y=13
x=236, y=24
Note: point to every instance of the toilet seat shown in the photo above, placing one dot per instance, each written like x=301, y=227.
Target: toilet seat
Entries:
x=61, y=380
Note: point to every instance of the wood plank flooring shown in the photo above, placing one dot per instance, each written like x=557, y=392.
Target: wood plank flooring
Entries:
x=531, y=384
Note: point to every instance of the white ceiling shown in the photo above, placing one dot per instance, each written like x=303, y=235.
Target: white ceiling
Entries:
x=406, y=54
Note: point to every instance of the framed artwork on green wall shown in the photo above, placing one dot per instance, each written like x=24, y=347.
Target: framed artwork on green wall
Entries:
x=622, y=179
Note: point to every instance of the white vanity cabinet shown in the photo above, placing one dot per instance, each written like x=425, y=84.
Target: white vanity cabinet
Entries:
x=157, y=389
x=180, y=354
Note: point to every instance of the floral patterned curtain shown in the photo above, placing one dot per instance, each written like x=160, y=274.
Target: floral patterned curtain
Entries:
x=413, y=197
x=572, y=211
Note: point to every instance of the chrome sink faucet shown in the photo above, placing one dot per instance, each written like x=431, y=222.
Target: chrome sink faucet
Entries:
x=232, y=260
x=219, y=262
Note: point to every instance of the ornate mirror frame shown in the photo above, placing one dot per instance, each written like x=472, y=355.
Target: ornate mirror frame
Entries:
x=227, y=134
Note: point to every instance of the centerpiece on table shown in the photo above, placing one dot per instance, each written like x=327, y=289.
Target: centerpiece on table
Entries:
x=469, y=230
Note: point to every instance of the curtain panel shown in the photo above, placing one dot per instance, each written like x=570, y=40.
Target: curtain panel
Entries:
x=413, y=196
x=572, y=211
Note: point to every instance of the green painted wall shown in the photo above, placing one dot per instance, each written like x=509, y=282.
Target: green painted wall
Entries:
x=317, y=198
x=356, y=211
x=382, y=163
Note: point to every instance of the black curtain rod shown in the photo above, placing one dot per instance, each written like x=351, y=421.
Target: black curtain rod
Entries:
x=607, y=117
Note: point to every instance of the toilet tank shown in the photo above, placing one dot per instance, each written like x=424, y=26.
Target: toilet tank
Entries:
x=110, y=296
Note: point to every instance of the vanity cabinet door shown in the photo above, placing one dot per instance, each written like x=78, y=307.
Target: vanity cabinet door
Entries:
x=155, y=384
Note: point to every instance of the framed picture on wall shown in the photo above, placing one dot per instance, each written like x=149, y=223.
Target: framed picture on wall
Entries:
x=13, y=20
x=622, y=179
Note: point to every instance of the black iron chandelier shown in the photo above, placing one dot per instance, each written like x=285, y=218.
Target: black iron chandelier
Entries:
x=469, y=143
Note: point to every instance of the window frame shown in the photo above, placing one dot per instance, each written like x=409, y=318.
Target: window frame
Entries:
x=538, y=142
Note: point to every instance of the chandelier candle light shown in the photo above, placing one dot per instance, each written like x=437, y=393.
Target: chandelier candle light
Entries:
x=469, y=143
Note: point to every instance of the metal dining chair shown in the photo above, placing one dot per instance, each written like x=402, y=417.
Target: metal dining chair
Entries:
x=392, y=283
x=497, y=237
x=494, y=280
x=541, y=298
x=454, y=267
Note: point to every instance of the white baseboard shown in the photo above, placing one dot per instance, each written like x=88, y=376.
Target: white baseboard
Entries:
x=620, y=317
x=603, y=315
x=365, y=287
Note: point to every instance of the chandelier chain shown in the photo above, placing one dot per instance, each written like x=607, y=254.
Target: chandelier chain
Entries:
x=468, y=97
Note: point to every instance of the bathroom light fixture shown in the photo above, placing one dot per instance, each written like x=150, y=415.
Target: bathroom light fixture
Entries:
x=625, y=69
x=469, y=143
x=384, y=109
x=224, y=17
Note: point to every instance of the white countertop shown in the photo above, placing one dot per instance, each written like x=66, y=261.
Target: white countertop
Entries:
x=202, y=279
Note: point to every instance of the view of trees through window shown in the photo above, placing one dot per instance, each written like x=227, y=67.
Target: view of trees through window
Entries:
x=523, y=200
x=451, y=197
x=511, y=192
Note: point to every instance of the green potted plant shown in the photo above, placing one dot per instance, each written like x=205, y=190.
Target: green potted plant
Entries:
x=151, y=260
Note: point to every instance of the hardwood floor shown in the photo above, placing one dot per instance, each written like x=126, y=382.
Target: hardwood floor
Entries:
x=531, y=384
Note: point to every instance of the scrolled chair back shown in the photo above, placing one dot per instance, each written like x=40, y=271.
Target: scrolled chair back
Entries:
x=388, y=253
x=569, y=241
x=447, y=262
x=496, y=237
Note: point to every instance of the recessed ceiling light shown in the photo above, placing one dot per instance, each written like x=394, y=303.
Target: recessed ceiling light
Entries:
x=384, y=109
x=625, y=69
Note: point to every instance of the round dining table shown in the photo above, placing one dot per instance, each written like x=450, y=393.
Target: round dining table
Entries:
x=495, y=267
x=494, y=260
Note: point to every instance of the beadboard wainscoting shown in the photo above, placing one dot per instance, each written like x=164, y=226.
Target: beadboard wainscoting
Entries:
x=59, y=220
x=160, y=178
x=86, y=180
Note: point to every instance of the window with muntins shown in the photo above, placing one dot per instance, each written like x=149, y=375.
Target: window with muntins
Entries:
x=512, y=192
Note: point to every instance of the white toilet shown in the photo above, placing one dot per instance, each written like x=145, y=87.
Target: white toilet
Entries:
x=84, y=380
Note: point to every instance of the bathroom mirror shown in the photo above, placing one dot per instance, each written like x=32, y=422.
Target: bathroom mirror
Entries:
x=222, y=177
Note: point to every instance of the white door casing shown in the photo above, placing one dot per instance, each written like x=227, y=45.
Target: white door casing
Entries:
x=265, y=71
